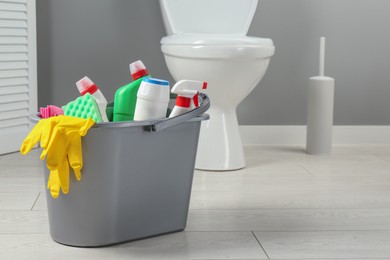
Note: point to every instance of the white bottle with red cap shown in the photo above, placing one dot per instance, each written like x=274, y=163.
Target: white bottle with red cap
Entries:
x=187, y=96
x=86, y=85
x=126, y=96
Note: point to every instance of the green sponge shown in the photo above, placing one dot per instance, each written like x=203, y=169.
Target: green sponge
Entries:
x=83, y=107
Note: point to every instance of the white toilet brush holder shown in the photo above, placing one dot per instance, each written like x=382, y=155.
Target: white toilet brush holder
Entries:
x=320, y=110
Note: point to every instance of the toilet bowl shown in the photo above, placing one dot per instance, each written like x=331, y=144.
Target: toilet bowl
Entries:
x=209, y=45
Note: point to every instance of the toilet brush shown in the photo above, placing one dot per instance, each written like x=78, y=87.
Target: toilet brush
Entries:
x=320, y=110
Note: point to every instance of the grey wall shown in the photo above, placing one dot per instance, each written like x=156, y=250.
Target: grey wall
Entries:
x=99, y=38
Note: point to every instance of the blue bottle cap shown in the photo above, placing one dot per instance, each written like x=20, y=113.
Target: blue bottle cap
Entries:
x=156, y=81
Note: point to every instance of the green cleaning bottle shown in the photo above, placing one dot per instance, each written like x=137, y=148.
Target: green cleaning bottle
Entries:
x=126, y=96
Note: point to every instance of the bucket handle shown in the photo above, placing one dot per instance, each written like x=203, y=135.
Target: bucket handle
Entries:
x=161, y=125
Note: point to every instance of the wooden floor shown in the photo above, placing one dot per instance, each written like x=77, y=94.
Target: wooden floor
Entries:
x=284, y=205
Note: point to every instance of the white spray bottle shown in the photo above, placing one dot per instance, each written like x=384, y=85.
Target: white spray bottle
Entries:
x=86, y=85
x=187, y=96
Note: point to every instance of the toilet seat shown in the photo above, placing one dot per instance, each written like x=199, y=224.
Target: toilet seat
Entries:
x=217, y=46
x=204, y=39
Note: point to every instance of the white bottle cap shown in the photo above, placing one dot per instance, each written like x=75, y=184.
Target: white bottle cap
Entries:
x=86, y=85
x=138, y=70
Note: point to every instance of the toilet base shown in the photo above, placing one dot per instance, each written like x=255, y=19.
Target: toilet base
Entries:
x=220, y=147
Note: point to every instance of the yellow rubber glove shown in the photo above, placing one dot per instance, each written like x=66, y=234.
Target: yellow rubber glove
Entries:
x=41, y=132
x=75, y=156
x=65, y=146
x=55, y=182
x=56, y=162
x=67, y=134
x=61, y=143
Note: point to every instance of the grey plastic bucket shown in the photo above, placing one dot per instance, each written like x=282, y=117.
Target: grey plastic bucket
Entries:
x=136, y=182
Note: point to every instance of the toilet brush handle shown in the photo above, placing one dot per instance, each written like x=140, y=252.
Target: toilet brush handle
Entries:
x=322, y=56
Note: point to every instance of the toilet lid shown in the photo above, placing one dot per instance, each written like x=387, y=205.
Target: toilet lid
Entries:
x=208, y=16
x=201, y=39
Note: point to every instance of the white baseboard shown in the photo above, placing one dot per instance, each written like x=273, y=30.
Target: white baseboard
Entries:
x=297, y=134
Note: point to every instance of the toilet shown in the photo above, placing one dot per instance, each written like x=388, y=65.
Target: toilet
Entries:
x=207, y=41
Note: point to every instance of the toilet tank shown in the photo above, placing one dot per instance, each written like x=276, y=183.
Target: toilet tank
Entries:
x=229, y=17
